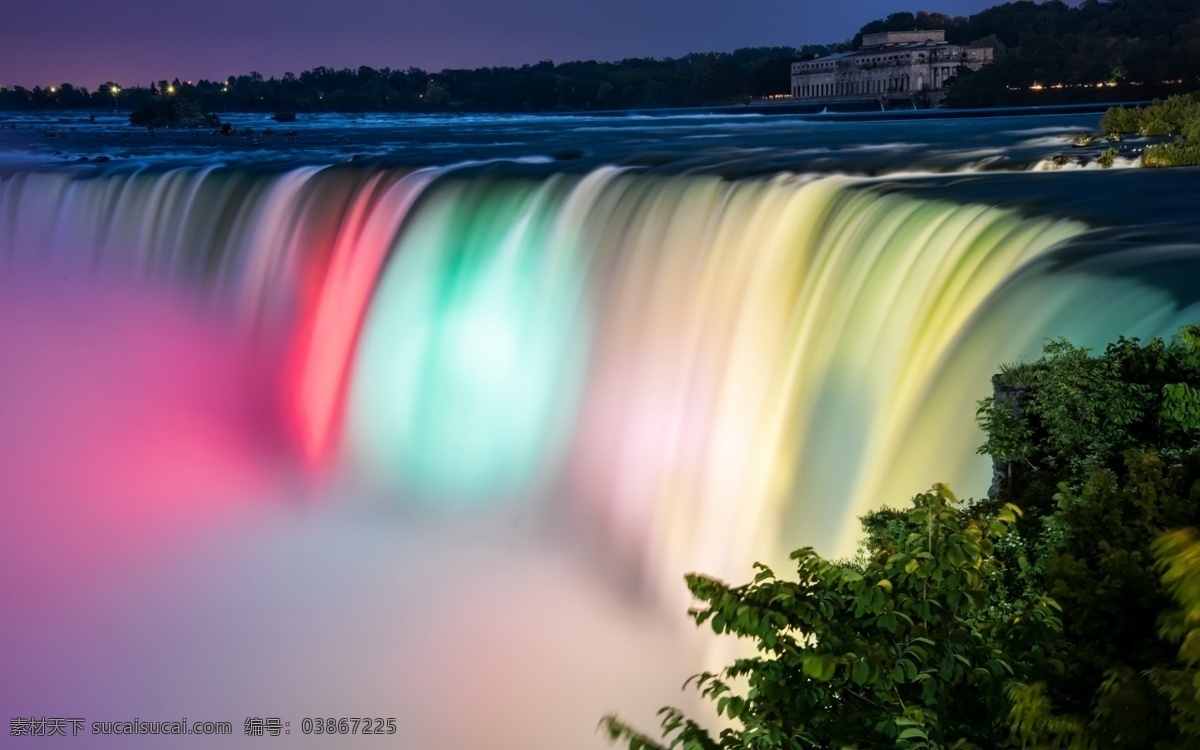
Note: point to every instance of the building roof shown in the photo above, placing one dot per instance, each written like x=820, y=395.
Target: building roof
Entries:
x=834, y=56
x=873, y=51
x=903, y=37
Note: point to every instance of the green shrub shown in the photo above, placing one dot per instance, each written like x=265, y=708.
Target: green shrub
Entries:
x=1177, y=555
x=1020, y=374
x=1177, y=115
x=1073, y=625
x=1190, y=129
x=1096, y=557
x=1085, y=410
x=912, y=649
x=1178, y=154
x=1121, y=120
x=1155, y=125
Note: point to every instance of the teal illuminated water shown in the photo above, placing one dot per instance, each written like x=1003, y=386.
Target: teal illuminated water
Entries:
x=444, y=404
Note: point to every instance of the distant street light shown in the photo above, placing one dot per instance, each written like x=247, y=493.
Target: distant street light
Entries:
x=114, y=90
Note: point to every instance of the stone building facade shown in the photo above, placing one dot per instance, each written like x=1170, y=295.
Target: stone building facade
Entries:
x=892, y=64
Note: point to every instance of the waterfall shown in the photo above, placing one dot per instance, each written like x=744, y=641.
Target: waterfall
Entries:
x=697, y=371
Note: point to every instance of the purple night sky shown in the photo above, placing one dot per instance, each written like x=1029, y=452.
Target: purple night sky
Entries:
x=136, y=41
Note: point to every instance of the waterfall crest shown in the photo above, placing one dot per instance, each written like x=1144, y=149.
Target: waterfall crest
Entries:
x=700, y=371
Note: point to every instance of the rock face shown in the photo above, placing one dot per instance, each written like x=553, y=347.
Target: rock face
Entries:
x=1015, y=398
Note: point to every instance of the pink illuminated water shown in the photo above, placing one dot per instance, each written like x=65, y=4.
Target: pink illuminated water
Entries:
x=164, y=557
x=439, y=445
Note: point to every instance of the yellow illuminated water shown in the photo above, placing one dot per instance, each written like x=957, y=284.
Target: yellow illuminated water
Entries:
x=696, y=371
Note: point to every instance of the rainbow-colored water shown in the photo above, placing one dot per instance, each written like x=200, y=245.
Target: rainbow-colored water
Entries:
x=676, y=372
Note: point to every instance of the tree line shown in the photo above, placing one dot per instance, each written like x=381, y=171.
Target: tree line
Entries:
x=1051, y=52
x=1045, y=53
x=693, y=80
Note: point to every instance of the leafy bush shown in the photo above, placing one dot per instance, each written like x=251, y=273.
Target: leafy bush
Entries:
x=1177, y=555
x=1178, y=115
x=1020, y=374
x=913, y=648
x=1154, y=125
x=1079, y=411
x=1172, y=116
x=1096, y=558
x=1121, y=120
x=1178, y=154
x=1190, y=130
x=1110, y=441
x=1073, y=625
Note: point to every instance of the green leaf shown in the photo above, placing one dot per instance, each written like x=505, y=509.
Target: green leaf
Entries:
x=861, y=671
x=820, y=667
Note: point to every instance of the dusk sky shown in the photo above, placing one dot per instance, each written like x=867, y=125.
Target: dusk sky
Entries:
x=135, y=41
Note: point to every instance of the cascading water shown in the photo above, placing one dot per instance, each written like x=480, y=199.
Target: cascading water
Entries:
x=684, y=372
x=701, y=371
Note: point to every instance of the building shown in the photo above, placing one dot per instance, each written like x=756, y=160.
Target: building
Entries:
x=890, y=65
